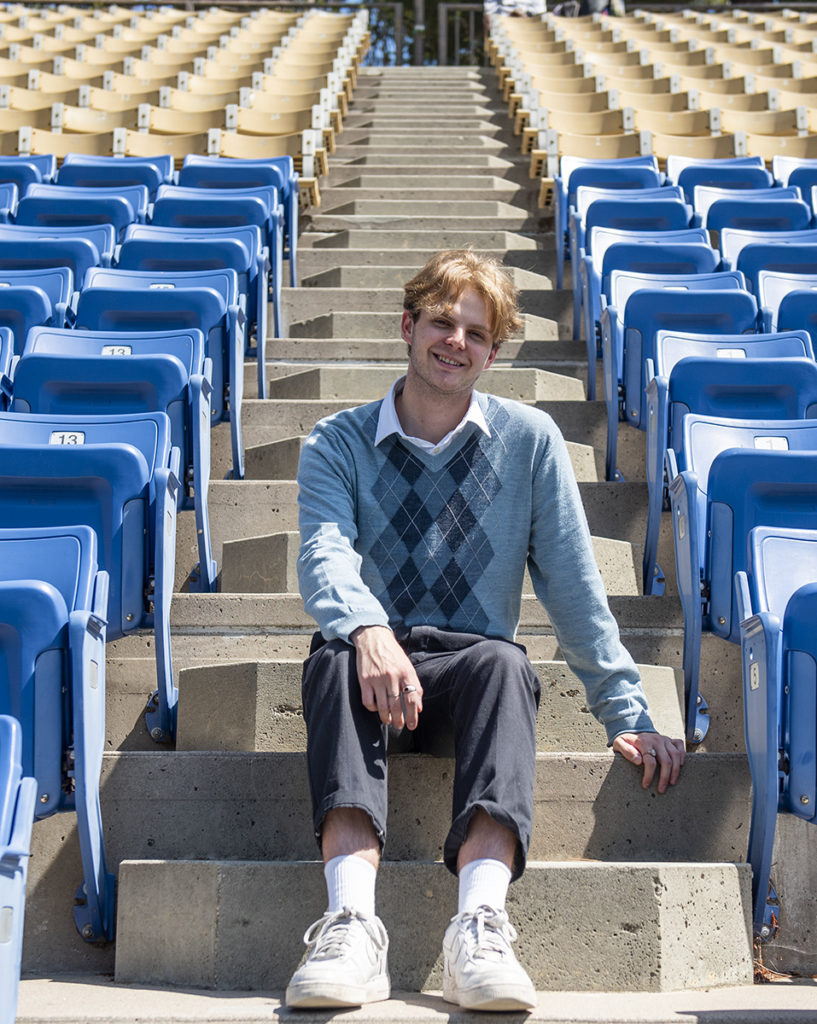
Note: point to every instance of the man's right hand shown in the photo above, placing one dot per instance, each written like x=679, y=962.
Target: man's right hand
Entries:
x=384, y=672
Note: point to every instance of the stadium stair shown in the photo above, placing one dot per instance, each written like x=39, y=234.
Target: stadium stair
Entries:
x=637, y=904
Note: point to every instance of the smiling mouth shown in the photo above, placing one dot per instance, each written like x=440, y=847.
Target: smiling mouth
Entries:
x=447, y=362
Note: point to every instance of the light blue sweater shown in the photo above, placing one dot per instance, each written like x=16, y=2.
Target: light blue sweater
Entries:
x=392, y=535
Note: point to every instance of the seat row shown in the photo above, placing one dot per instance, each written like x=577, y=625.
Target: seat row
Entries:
x=129, y=302
x=710, y=349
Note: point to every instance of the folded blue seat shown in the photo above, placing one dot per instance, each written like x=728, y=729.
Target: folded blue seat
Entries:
x=77, y=372
x=53, y=598
x=18, y=795
x=738, y=474
x=101, y=236
x=120, y=476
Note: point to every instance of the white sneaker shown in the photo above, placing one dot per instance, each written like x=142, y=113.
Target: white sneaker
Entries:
x=481, y=971
x=346, y=965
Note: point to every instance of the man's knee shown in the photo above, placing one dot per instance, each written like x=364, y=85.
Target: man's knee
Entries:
x=506, y=666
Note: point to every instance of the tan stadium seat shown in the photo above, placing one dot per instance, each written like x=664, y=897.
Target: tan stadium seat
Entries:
x=164, y=121
x=36, y=141
x=106, y=99
x=602, y=147
x=87, y=121
x=805, y=85
x=667, y=102
x=102, y=56
x=737, y=101
x=768, y=146
x=681, y=122
x=767, y=122
x=707, y=147
x=258, y=122
x=16, y=98
x=193, y=102
x=12, y=120
x=129, y=85
x=740, y=85
x=134, y=143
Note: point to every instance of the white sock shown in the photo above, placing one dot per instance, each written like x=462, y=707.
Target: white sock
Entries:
x=483, y=883
x=350, y=882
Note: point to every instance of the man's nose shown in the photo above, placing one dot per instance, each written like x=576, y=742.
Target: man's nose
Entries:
x=456, y=337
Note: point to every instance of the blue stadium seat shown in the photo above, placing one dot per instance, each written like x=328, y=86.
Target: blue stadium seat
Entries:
x=23, y=307
x=738, y=474
x=78, y=254
x=211, y=208
x=628, y=173
x=18, y=795
x=640, y=306
x=616, y=211
x=75, y=372
x=228, y=172
x=788, y=299
x=57, y=282
x=27, y=170
x=9, y=197
x=743, y=172
x=704, y=196
x=671, y=252
x=163, y=162
x=751, y=376
x=777, y=607
x=120, y=476
x=137, y=195
x=106, y=171
x=77, y=211
x=168, y=249
x=769, y=214
x=132, y=300
x=781, y=257
x=6, y=357
x=794, y=170
x=53, y=598
x=102, y=236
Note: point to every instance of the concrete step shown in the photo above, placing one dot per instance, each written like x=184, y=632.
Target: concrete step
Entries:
x=419, y=189
x=512, y=219
x=486, y=240
x=56, y=1000
x=395, y=277
x=314, y=258
x=265, y=710
x=552, y=323
x=411, y=161
x=238, y=807
x=358, y=384
x=625, y=937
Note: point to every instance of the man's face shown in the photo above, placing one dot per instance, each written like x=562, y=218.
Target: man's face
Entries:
x=448, y=351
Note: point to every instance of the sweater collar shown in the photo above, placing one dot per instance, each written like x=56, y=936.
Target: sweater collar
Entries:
x=388, y=422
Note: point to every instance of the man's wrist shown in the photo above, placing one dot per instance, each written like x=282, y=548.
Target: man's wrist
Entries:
x=362, y=631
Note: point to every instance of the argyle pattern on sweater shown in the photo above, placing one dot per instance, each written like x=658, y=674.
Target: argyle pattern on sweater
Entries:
x=433, y=550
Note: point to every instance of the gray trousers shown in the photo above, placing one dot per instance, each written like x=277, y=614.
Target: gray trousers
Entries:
x=480, y=699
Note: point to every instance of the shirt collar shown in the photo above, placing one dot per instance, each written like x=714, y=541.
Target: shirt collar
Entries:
x=388, y=422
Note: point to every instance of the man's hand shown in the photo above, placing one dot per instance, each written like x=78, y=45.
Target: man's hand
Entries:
x=653, y=751
x=388, y=682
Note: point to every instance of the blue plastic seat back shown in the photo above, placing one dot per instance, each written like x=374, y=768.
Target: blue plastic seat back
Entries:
x=102, y=236
x=98, y=471
x=267, y=194
x=603, y=237
x=6, y=356
x=732, y=241
x=673, y=346
x=721, y=305
x=634, y=215
x=47, y=211
x=212, y=172
x=800, y=652
x=588, y=194
x=222, y=280
x=659, y=258
x=759, y=215
x=136, y=195
x=106, y=172
x=21, y=172
x=705, y=195
x=782, y=561
x=784, y=166
x=188, y=254
x=210, y=212
x=126, y=309
x=187, y=346
x=163, y=162
x=678, y=164
x=56, y=281
x=9, y=196
x=22, y=308
x=774, y=285
x=745, y=177
x=79, y=254
x=750, y=389
x=788, y=258
x=629, y=173
x=249, y=235
x=756, y=486
x=45, y=163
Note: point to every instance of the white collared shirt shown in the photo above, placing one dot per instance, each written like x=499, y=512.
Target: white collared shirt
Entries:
x=389, y=423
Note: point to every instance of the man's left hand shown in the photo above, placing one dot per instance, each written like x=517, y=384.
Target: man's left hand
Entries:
x=655, y=752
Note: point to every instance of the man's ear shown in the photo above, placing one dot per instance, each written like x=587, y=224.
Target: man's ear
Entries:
x=406, y=326
x=491, y=357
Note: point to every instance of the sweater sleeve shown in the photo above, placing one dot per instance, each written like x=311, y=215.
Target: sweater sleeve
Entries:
x=567, y=581
x=328, y=564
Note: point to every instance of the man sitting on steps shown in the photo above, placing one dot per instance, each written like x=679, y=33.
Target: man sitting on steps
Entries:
x=418, y=516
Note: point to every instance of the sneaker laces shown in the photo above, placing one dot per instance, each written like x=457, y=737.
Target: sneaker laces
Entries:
x=490, y=932
x=332, y=935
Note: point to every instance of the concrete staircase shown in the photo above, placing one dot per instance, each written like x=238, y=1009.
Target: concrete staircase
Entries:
x=627, y=891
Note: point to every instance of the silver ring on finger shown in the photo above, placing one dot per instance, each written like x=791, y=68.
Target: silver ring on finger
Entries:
x=393, y=697
x=409, y=689
x=653, y=752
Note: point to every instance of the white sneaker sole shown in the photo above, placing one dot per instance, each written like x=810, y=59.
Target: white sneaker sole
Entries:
x=312, y=994
x=490, y=997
